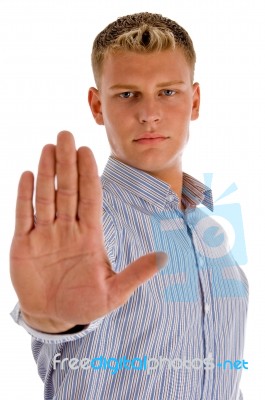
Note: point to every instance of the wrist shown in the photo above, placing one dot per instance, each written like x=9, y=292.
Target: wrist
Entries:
x=48, y=325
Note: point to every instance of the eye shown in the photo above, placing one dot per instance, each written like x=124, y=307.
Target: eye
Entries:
x=169, y=92
x=126, y=95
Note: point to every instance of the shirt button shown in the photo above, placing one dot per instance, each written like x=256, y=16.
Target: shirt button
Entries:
x=206, y=308
x=171, y=197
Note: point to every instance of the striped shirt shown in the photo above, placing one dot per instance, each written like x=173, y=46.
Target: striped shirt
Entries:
x=181, y=334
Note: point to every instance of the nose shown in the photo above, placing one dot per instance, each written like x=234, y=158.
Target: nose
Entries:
x=149, y=111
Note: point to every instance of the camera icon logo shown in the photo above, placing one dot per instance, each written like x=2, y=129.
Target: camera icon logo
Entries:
x=230, y=218
x=214, y=251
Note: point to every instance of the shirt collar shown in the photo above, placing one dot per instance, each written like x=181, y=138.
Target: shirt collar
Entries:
x=153, y=189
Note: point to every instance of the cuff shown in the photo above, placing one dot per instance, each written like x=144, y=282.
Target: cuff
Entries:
x=54, y=338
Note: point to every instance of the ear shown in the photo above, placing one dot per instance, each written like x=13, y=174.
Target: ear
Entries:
x=95, y=105
x=195, y=101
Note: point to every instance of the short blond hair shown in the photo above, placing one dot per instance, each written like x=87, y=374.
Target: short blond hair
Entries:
x=142, y=32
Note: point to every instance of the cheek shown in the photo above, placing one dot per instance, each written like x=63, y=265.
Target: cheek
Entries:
x=179, y=117
x=114, y=133
x=112, y=115
x=180, y=106
x=183, y=115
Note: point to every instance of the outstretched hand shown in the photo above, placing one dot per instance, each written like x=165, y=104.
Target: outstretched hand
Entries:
x=59, y=265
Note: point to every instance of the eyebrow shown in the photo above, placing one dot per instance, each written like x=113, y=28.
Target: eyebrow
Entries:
x=170, y=83
x=134, y=87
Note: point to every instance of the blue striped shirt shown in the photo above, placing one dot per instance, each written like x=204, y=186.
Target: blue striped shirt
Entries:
x=181, y=334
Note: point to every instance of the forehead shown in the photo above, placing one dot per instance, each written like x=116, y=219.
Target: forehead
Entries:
x=129, y=65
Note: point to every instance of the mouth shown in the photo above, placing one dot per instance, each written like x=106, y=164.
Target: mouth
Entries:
x=150, y=139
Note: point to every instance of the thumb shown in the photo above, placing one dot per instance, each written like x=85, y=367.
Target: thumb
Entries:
x=136, y=273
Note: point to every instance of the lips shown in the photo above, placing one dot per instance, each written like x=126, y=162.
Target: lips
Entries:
x=150, y=138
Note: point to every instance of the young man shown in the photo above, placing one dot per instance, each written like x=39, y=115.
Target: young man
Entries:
x=102, y=330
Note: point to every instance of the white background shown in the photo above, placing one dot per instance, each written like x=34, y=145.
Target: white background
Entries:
x=45, y=74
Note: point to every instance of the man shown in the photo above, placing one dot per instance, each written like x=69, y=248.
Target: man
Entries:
x=102, y=330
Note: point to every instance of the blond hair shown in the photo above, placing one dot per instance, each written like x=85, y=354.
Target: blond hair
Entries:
x=142, y=32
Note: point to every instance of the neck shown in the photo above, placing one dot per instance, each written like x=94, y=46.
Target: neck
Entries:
x=174, y=178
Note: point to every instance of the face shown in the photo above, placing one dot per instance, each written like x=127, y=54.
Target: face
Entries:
x=146, y=102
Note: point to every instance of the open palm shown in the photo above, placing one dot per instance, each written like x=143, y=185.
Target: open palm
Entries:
x=59, y=265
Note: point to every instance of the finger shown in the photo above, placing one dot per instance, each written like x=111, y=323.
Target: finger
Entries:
x=127, y=281
x=24, y=207
x=45, y=190
x=90, y=192
x=67, y=177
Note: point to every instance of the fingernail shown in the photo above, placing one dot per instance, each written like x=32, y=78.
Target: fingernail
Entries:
x=161, y=259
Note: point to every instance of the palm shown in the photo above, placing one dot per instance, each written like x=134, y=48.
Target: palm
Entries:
x=59, y=266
